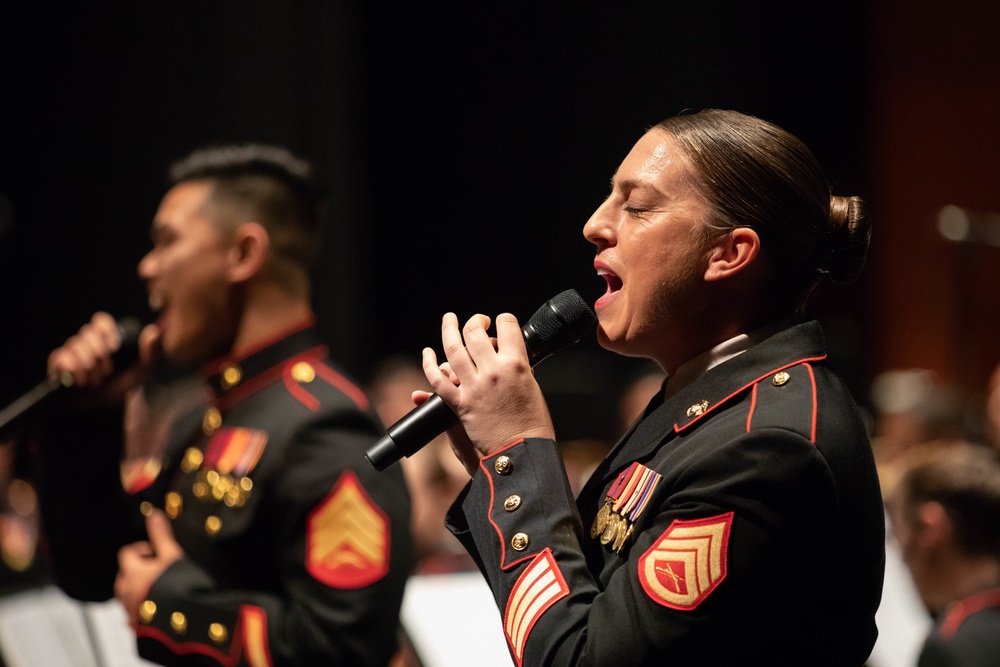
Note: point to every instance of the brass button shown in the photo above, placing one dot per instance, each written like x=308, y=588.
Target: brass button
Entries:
x=211, y=422
x=147, y=611
x=231, y=376
x=502, y=465
x=200, y=489
x=512, y=503
x=173, y=504
x=697, y=409
x=178, y=622
x=212, y=477
x=519, y=541
x=212, y=525
x=146, y=507
x=193, y=456
x=246, y=484
x=303, y=372
x=780, y=378
x=217, y=633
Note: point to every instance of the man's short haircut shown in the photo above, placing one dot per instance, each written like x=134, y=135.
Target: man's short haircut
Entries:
x=965, y=479
x=264, y=184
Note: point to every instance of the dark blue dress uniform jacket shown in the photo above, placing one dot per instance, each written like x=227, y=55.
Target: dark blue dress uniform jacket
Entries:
x=968, y=635
x=762, y=543
x=300, y=559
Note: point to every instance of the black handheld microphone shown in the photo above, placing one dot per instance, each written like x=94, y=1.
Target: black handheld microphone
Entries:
x=562, y=320
x=15, y=415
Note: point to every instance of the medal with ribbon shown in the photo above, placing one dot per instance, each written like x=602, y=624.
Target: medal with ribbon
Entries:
x=229, y=457
x=625, y=502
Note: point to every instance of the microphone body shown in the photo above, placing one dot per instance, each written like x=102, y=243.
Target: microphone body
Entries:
x=17, y=414
x=561, y=321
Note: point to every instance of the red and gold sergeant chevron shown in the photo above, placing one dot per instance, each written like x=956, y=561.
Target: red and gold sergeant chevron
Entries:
x=687, y=562
x=347, y=537
x=539, y=587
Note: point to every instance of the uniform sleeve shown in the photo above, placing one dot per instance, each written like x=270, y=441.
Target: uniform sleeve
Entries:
x=341, y=555
x=713, y=536
x=86, y=515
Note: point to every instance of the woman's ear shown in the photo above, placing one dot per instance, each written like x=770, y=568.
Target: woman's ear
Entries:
x=731, y=253
x=250, y=246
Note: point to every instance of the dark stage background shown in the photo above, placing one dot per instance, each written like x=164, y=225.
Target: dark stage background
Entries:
x=465, y=147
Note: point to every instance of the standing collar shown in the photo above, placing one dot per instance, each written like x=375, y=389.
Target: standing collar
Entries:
x=240, y=373
x=691, y=369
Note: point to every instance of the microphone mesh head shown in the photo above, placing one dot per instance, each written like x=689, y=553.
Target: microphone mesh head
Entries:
x=560, y=321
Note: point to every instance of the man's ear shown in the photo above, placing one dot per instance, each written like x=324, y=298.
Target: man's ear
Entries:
x=933, y=524
x=248, y=253
x=731, y=253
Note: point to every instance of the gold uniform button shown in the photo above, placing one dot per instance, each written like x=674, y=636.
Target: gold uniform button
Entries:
x=200, y=490
x=147, y=611
x=178, y=622
x=173, y=504
x=193, y=457
x=211, y=422
x=246, y=484
x=212, y=525
x=697, y=409
x=502, y=465
x=231, y=376
x=303, y=372
x=217, y=633
x=146, y=507
x=512, y=503
x=780, y=378
x=519, y=541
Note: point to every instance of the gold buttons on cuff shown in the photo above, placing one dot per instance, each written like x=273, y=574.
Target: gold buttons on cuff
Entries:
x=146, y=507
x=217, y=633
x=519, y=541
x=211, y=422
x=231, y=376
x=147, y=611
x=303, y=372
x=178, y=622
x=697, y=409
x=212, y=525
x=502, y=465
x=193, y=456
x=512, y=503
x=780, y=378
x=173, y=504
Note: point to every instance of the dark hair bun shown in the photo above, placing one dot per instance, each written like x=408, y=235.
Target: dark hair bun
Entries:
x=847, y=244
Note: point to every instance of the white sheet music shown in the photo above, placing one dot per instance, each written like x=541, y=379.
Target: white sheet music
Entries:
x=452, y=621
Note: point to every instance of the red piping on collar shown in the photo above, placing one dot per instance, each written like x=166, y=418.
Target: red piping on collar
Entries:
x=255, y=384
x=967, y=607
x=213, y=367
x=678, y=428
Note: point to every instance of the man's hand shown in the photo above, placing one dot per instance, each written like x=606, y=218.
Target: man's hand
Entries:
x=140, y=564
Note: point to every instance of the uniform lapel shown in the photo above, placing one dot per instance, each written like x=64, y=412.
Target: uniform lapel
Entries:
x=662, y=421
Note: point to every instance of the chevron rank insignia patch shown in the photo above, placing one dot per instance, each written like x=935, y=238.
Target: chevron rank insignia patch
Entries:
x=539, y=587
x=347, y=537
x=687, y=562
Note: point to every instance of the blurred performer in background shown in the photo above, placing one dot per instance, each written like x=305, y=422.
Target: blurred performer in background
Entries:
x=739, y=521
x=945, y=512
x=253, y=530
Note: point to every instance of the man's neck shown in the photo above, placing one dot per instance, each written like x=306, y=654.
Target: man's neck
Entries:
x=269, y=312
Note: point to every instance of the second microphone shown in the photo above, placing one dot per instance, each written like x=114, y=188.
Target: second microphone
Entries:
x=561, y=321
